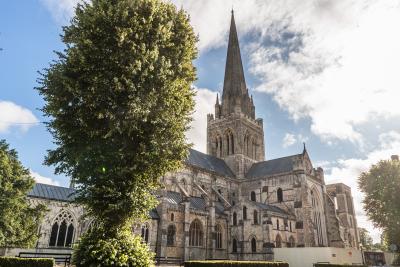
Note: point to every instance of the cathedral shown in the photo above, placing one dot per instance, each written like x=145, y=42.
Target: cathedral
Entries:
x=230, y=203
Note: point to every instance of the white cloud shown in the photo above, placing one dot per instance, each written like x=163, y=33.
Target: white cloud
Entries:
x=61, y=10
x=288, y=140
x=41, y=179
x=205, y=101
x=347, y=171
x=14, y=116
x=334, y=62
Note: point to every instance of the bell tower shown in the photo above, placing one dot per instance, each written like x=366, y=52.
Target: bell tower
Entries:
x=233, y=132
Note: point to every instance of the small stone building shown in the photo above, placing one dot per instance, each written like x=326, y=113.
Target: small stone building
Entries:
x=230, y=203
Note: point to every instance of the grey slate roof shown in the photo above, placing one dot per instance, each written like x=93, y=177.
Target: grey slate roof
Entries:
x=197, y=203
x=270, y=167
x=270, y=208
x=65, y=194
x=209, y=163
x=52, y=192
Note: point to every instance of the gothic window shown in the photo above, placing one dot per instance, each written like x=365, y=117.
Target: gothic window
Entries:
x=279, y=195
x=220, y=192
x=253, y=245
x=291, y=243
x=246, y=145
x=196, y=234
x=244, y=213
x=220, y=146
x=172, y=217
x=171, y=231
x=234, y=218
x=234, y=246
x=232, y=144
x=62, y=231
x=278, y=241
x=253, y=196
x=145, y=233
x=254, y=150
x=227, y=144
x=255, y=217
x=183, y=183
x=218, y=231
x=277, y=224
x=290, y=226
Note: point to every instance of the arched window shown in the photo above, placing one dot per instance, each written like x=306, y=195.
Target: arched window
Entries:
x=246, y=145
x=255, y=217
x=234, y=218
x=183, y=183
x=277, y=224
x=234, y=246
x=244, y=213
x=254, y=149
x=279, y=194
x=218, y=233
x=220, y=147
x=253, y=245
x=228, y=150
x=220, y=192
x=290, y=226
x=196, y=234
x=291, y=243
x=171, y=231
x=253, y=196
x=62, y=231
x=278, y=241
x=145, y=233
x=232, y=144
x=172, y=217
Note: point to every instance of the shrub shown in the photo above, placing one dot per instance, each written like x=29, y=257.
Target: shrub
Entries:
x=25, y=262
x=335, y=265
x=125, y=249
x=235, y=264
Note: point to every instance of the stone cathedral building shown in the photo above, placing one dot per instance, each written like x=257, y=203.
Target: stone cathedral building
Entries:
x=230, y=202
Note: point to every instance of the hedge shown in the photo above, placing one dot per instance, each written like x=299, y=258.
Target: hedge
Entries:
x=25, y=262
x=335, y=265
x=223, y=263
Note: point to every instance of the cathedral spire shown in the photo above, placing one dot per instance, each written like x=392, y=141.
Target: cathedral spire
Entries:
x=235, y=97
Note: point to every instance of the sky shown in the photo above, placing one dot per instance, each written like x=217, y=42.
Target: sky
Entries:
x=321, y=72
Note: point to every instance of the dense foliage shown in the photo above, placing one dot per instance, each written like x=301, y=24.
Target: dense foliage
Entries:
x=381, y=184
x=228, y=263
x=365, y=239
x=22, y=262
x=95, y=249
x=335, y=265
x=18, y=220
x=119, y=100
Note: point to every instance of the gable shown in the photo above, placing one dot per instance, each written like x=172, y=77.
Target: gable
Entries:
x=208, y=163
x=271, y=167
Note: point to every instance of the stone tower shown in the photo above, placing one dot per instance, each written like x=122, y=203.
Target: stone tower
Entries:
x=233, y=132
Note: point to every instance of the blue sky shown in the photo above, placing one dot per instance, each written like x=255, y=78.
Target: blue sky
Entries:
x=320, y=72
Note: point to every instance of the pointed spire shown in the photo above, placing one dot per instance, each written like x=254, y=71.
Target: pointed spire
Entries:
x=217, y=102
x=304, y=148
x=234, y=93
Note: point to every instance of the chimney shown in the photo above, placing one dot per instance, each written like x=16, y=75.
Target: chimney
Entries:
x=395, y=157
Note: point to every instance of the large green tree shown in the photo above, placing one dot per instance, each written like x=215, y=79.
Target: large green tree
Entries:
x=119, y=100
x=381, y=186
x=19, y=221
